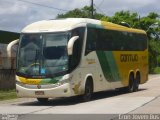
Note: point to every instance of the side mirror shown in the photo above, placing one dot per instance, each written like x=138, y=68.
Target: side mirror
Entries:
x=9, y=47
x=71, y=44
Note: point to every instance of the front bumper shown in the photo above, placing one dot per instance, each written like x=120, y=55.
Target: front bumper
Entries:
x=59, y=91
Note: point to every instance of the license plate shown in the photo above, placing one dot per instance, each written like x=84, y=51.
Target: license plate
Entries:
x=39, y=92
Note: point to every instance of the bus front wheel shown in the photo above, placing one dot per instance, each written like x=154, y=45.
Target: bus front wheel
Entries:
x=88, y=91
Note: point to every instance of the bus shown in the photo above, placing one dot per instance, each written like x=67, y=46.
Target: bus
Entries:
x=79, y=56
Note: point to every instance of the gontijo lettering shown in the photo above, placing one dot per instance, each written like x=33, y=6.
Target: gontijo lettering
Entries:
x=129, y=57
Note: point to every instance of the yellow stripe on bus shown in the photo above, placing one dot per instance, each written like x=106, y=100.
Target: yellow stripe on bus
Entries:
x=29, y=81
x=111, y=26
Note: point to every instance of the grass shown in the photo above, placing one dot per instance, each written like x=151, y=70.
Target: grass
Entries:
x=156, y=70
x=7, y=95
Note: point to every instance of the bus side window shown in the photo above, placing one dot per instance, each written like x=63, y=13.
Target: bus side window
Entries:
x=91, y=41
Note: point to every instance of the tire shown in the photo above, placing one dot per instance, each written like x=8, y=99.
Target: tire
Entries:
x=130, y=87
x=42, y=100
x=136, y=83
x=88, y=91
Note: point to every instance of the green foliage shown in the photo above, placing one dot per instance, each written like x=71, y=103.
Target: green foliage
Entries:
x=154, y=53
x=76, y=13
x=146, y=22
x=156, y=70
x=6, y=95
x=105, y=18
x=153, y=15
x=126, y=16
x=81, y=13
x=6, y=37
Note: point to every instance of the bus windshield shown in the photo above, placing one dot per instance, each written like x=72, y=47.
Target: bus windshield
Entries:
x=42, y=54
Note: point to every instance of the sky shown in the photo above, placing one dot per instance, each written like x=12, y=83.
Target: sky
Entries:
x=16, y=14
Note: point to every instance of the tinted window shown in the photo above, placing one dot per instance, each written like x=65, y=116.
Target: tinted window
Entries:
x=91, y=43
x=110, y=40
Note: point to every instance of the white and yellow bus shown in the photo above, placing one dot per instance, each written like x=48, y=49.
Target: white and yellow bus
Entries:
x=78, y=56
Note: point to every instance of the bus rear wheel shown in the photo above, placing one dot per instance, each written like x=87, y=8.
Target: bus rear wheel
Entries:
x=88, y=91
x=130, y=87
x=136, y=83
x=42, y=100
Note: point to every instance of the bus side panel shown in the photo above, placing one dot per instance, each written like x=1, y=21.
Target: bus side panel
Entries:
x=109, y=68
x=132, y=61
x=117, y=65
x=90, y=66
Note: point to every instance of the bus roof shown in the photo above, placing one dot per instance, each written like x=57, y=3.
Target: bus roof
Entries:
x=60, y=25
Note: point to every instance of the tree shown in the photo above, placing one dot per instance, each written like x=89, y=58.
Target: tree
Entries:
x=82, y=13
x=7, y=37
x=153, y=15
x=126, y=16
x=154, y=53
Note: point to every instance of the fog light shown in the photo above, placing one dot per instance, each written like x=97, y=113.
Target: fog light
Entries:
x=65, y=90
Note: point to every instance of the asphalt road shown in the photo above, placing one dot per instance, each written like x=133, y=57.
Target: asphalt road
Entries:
x=112, y=103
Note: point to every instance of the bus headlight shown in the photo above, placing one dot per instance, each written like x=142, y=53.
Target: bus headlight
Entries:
x=18, y=82
x=65, y=79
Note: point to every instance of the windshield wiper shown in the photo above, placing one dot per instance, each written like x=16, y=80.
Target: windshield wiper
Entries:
x=36, y=58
